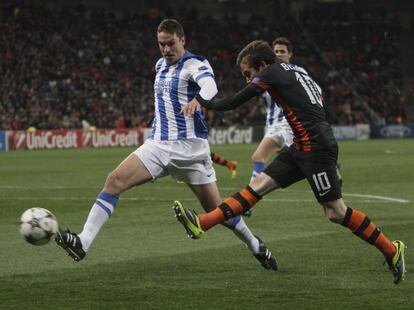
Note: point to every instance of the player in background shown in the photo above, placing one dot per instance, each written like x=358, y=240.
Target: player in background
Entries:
x=178, y=146
x=277, y=131
x=313, y=155
x=230, y=164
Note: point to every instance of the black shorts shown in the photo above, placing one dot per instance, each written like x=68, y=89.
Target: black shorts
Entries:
x=318, y=167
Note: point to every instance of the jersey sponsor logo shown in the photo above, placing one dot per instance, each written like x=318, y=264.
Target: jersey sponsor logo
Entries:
x=202, y=68
x=162, y=86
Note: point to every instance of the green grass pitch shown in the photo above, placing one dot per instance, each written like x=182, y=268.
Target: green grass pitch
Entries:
x=142, y=258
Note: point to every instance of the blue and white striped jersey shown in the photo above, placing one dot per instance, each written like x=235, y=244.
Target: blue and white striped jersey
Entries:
x=176, y=85
x=274, y=114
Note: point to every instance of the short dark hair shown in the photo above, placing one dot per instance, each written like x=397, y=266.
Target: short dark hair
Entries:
x=255, y=52
x=171, y=26
x=283, y=41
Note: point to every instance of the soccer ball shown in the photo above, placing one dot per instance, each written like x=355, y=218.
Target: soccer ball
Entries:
x=38, y=226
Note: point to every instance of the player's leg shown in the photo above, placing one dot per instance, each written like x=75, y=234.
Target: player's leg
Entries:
x=230, y=164
x=129, y=173
x=282, y=172
x=195, y=168
x=322, y=176
x=277, y=136
x=209, y=197
x=359, y=223
x=231, y=207
x=266, y=150
x=143, y=165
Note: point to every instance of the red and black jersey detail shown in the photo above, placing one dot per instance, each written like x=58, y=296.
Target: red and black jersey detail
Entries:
x=306, y=117
x=301, y=138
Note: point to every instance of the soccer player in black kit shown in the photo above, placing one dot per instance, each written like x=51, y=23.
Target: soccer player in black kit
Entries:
x=313, y=155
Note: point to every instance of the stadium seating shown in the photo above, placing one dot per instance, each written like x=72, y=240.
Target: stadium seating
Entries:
x=77, y=68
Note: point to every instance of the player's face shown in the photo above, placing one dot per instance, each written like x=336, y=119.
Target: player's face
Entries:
x=249, y=72
x=171, y=46
x=282, y=52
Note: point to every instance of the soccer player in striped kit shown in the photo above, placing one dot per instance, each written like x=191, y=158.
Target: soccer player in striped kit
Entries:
x=178, y=146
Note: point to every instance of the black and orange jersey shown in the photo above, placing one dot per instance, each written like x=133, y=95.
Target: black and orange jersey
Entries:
x=300, y=98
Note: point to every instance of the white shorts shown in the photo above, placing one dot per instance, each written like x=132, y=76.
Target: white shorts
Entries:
x=187, y=161
x=282, y=135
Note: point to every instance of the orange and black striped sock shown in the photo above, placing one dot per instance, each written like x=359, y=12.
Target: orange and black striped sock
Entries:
x=230, y=207
x=218, y=159
x=362, y=226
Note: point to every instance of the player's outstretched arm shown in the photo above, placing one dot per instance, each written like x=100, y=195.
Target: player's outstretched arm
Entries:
x=231, y=102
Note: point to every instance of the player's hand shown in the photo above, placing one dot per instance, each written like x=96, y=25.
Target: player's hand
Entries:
x=191, y=107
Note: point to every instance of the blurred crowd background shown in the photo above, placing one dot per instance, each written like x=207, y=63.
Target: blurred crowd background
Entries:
x=80, y=67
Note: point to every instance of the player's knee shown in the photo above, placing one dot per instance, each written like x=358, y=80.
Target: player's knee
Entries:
x=114, y=182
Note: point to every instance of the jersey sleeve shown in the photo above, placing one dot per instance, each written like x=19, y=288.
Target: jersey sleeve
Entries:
x=199, y=69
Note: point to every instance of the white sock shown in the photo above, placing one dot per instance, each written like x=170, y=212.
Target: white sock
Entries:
x=99, y=214
x=244, y=234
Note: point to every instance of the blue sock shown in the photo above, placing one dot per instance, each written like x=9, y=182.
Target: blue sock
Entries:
x=107, y=202
x=233, y=222
x=258, y=167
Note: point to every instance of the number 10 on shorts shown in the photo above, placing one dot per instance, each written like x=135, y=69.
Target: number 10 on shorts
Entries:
x=321, y=181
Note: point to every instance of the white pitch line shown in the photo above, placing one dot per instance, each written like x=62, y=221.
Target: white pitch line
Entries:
x=399, y=200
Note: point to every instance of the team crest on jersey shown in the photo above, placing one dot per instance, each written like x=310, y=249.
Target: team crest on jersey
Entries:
x=203, y=68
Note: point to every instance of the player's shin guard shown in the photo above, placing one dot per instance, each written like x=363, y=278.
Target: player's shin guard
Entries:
x=362, y=226
x=230, y=207
x=258, y=167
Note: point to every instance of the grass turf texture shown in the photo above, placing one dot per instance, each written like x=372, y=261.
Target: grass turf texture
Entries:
x=142, y=258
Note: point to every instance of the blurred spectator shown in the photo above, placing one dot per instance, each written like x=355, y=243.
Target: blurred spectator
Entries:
x=75, y=70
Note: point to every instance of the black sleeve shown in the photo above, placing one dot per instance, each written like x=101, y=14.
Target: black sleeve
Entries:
x=233, y=101
x=330, y=113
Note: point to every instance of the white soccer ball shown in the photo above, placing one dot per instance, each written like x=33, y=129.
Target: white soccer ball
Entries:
x=38, y=226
